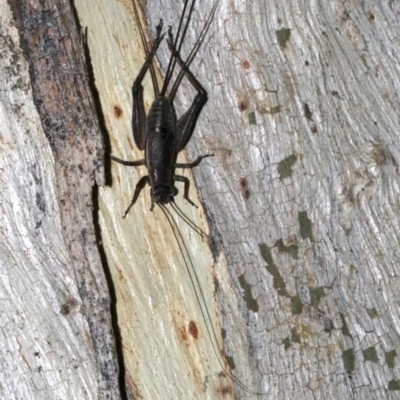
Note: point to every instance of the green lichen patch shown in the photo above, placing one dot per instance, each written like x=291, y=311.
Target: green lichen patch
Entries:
x=283, y=36
x=316, y=295
x=295, y=336
x=370, y=355
x=230, y=362
x=252, y=118
x=266, y=253
x=305, y=226
x=275, y=110
x=286, y=343
x=372, y=312
x=291, y=250
x=394, y=385
x=272, y=110
x=348, y=360
x=278, y=282
x=390, y=358
x=216, y=284
x=297, y=305
x=285, y=167
x=251, y=302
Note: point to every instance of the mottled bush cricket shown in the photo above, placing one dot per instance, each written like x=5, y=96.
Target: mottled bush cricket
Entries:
x=161, y=136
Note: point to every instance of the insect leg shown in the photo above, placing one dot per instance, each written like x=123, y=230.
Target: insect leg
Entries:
x=146, y=48
x=139, y=114
x=128, y=163
x=192, y=164
x=139, y=186
x=186, y=124
x=186, y=187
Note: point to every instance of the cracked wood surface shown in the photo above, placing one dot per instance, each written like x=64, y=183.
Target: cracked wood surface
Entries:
x=301, y=196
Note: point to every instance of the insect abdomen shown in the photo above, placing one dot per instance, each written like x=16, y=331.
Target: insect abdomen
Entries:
x=161, y=141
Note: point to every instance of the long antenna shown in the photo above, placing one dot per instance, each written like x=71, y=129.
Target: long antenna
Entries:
x=187, y=220
x=146, y=50
x=201, y=298
x=195, y=49
x=172, y=60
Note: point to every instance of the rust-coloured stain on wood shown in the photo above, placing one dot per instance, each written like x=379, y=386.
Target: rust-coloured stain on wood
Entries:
x=120, y=271
x=225, y=154
x=73, y=302
x=182, y=332
x=224, y=389
x=246, y=64
x=243, y=106
x=244, y=188
x=65, y=309
x=132, y=387
x=193, y=329
x=118, y=111
x=69, y=305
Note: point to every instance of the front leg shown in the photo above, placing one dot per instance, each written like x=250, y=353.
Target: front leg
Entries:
x=139, y=186
x=186, y=187
x=128, y=163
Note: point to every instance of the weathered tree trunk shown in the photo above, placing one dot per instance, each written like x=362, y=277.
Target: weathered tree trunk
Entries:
x=57, y=337
x=302, y=201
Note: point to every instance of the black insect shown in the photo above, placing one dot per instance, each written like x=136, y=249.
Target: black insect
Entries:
x=160, y=134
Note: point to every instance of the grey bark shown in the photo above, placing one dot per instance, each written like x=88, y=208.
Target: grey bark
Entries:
x=304, y=105
x=302, y=200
